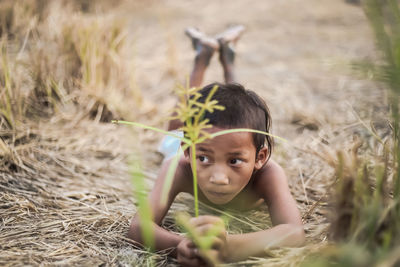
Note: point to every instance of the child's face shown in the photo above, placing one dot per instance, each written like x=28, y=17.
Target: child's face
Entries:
x=225, y=165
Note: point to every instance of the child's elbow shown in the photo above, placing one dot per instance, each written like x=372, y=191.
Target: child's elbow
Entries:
x=298, y=237
x=134, y=230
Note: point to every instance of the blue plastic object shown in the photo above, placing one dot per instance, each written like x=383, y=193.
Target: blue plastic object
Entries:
x=169, y=145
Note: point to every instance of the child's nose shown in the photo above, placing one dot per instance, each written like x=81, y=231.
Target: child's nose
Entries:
x=219, y=177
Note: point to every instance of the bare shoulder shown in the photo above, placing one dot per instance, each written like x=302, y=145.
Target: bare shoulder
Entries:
x=179, y=180
x=272, y=185
x=271, y=181
x=179, y=184
x=271, y=171
x=182, y=181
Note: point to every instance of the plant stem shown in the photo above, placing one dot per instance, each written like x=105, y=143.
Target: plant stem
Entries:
x=194, y=172
x=239, y=130
x=183, y=139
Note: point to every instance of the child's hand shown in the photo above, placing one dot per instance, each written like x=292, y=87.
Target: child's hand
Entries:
x=188, y=255
x=212, y=231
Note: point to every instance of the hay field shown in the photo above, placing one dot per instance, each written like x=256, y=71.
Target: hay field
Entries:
x=69, y=67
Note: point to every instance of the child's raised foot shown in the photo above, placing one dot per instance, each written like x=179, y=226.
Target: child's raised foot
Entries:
x=231, y=35
x=200, y=39
x=226, y=41
x=204, y=45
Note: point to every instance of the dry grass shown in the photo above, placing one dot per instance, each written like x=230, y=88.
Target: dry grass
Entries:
x=65, y=196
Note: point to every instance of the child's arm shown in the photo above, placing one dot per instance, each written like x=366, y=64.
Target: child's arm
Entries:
x=183, y=249
x=287, y=230
x=163, y=238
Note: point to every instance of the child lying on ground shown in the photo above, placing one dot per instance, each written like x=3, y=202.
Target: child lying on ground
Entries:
x=234, y=171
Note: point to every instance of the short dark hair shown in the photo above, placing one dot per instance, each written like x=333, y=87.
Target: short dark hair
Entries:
x=243, y=109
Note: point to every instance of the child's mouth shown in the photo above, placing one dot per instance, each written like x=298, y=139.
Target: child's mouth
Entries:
x=218, y=194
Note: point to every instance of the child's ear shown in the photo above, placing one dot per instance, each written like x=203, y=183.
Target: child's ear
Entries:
x=261, y=158
x=186, y=151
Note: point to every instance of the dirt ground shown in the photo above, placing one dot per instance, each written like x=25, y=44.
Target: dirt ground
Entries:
x=296, y=54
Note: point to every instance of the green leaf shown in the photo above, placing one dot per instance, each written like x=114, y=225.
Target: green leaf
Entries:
x=185, y=140
x=237, y=130
x=144, y=210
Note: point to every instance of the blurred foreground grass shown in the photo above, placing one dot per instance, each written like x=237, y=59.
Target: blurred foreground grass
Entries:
x=365, y=220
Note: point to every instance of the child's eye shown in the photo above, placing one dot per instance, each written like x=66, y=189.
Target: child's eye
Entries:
x=203, y=159
x=235, y=161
